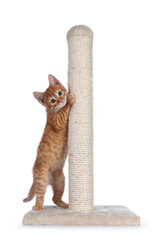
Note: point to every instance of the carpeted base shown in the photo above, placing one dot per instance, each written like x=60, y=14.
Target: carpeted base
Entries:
x=102, y=215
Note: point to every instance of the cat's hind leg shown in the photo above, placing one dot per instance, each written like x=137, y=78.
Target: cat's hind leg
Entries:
x=58, y=183
x=41, y=184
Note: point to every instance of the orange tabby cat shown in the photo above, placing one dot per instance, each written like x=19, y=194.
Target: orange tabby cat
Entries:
x=52, y=150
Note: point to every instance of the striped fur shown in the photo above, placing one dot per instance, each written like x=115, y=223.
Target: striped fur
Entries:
x=52, y=150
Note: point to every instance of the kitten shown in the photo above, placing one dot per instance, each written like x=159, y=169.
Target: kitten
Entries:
x=52, y=150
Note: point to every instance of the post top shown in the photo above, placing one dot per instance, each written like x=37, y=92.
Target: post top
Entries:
x=79, y=30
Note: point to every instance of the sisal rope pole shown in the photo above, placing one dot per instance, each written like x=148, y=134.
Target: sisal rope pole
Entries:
x=80, y=135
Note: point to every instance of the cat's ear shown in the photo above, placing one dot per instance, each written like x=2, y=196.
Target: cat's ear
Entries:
x=39, y=97
x=53, y=81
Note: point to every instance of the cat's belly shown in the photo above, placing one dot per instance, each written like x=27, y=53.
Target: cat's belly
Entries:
x=59, y=159
x=55, y=167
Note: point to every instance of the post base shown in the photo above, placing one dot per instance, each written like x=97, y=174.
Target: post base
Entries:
x=102, y=215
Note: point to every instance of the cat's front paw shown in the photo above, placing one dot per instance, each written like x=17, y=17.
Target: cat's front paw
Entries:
x=71, y=98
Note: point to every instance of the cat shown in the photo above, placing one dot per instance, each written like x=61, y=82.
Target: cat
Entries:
x=52, y=150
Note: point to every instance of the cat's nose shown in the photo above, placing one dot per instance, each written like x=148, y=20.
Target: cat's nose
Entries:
x=61, y=100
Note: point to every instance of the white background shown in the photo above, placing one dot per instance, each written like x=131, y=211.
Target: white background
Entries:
x=127, y=108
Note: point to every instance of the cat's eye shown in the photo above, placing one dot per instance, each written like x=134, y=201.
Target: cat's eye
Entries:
x=53, y=100
x=60, y=93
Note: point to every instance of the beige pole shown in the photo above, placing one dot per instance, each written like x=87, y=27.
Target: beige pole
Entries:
x=80, y=136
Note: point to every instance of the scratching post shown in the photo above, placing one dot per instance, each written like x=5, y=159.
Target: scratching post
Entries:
x=80, y=136
x=80, y=148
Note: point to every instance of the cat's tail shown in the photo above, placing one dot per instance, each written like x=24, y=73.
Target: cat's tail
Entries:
x=31, y=193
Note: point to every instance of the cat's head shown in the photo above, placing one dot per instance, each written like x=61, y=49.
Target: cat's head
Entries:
x=55, y=96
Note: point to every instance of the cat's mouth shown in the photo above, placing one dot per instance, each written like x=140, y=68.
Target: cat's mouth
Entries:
x=61, y=104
